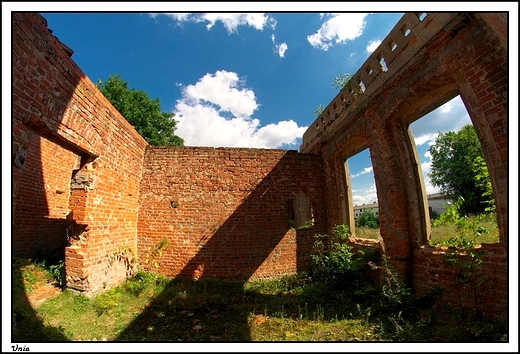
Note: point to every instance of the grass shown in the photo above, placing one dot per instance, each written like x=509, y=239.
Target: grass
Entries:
x=152, y=308
x=31, y=274
x=442, y=232
x=367, y=232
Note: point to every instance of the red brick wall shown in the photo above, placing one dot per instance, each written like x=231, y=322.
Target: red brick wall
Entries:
x=443, y=56
x=58, y=114
x=40, y=209
x=478, y=63
x=234, y=205
x=487, y=292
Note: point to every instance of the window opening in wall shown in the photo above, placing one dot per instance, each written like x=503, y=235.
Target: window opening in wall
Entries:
x=364, y=196
x=455, y=168
x=384, y=67
x=406, y=31
x=362, y=87
x=392, y=45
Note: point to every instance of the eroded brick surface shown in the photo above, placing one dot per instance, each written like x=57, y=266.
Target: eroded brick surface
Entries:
x=229, y=212
x=443, y=56
x=86, y=185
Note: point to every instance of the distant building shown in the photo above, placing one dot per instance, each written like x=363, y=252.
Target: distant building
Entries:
x=436, y=204
x=359, y=209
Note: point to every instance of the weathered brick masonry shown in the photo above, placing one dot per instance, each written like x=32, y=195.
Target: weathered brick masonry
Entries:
x=229, y=213
x=86, y=184
x=419, y=66
x=76, y=162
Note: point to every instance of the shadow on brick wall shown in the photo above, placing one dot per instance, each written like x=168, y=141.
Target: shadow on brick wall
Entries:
x=258, y=235
x=259, y=226
x=40, y=96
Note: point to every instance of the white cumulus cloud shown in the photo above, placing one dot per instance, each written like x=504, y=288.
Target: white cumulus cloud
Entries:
x=446, y=108
x=280, y=48
x=426, y=167
x=372, y=45
x=339, y=28
x=231, y=21
x=217, y=111
x=426, y=138
x=365, y=170
x=222, y=89
x=366, y=196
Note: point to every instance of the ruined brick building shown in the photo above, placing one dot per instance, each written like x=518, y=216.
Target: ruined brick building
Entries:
x=87, y=185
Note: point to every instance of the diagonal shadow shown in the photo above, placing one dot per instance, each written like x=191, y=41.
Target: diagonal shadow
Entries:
x=37, y=230
x=236, y=252
x=27, y=326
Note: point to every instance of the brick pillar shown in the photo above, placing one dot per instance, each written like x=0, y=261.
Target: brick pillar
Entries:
x=337, y=192
x=76, y=254
x=483, y=86
x=391, y=177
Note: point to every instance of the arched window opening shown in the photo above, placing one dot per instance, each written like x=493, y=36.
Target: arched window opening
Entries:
x=452, y=165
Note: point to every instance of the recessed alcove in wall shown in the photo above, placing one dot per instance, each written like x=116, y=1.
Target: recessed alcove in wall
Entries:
x=452, y=116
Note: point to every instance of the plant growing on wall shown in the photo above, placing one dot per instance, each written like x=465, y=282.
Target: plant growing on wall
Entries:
x=341, y=80
x=134, y=262
x=462, y=252
x=333, y=257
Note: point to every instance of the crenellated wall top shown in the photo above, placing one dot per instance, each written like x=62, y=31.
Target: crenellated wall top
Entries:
x=409, y=35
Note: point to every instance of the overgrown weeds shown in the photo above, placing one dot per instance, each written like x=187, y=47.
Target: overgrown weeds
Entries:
x=149, y=307
x=334, y=301
x=462, y=252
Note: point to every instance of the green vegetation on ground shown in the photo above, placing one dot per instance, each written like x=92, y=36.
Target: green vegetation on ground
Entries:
x=334, y=301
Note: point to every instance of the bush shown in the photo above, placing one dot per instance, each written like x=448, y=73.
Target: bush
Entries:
x=333, y=258
x=57, y=271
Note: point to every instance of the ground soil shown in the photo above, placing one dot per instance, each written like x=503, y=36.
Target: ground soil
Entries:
x=42, y=292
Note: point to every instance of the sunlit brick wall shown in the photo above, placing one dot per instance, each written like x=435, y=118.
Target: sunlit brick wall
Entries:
x=73, y=155
x=428, y=60
x=229, y=212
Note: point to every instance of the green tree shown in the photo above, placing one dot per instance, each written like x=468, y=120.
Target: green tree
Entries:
x=369, y=219
x=454, y=155
x=483, y=181
x=157, y=127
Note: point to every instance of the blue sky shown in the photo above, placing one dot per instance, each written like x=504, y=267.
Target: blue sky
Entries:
x=247, y=80
x=240, y=79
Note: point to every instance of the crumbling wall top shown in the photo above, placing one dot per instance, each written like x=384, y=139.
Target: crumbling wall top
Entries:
x=410, y=34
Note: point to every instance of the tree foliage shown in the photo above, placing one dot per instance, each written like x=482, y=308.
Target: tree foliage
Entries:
x=157, y=127
x=483, y=181
x=368, y=218
x=458, y=169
